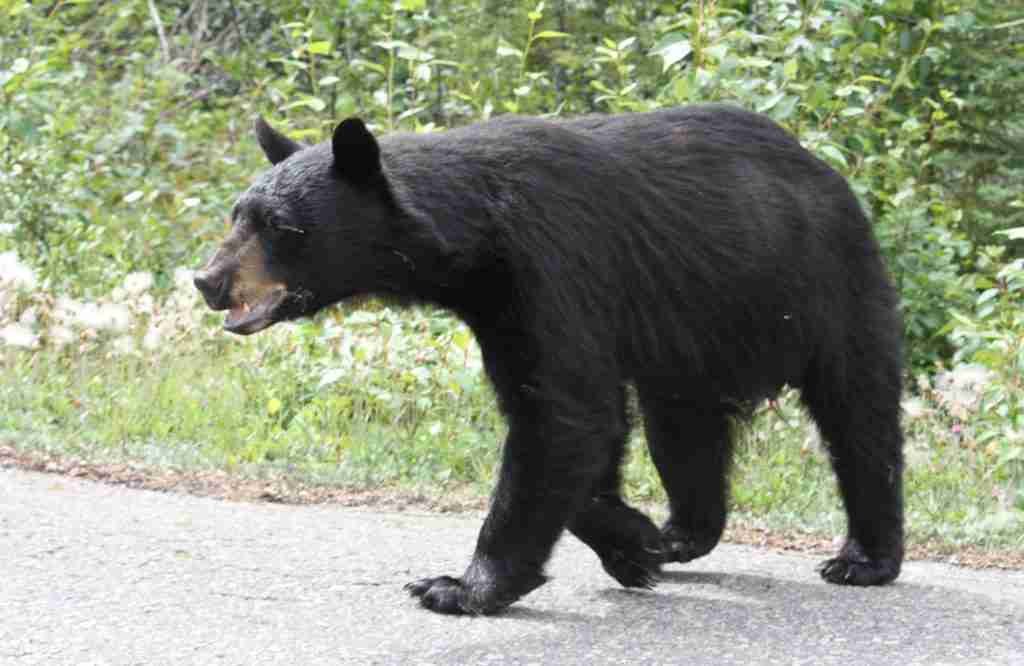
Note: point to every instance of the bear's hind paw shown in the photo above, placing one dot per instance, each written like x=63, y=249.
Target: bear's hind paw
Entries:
x=853, y=567
x=637, y=569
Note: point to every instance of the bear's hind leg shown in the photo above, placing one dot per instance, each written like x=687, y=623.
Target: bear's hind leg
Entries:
x=691, y=446
x=865, y=442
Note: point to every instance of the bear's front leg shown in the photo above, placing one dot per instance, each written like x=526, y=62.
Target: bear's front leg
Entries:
x=545, y=475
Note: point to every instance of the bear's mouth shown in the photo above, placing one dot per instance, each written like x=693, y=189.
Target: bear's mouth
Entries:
x=244, y=318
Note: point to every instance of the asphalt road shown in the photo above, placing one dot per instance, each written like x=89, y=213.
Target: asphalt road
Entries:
x=98, y=574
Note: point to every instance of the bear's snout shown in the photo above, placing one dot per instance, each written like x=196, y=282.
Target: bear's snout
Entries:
x=213, y=288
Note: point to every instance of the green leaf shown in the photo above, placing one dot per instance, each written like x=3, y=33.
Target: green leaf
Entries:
x=672, y=48
x=1016, y=233
x=551, y=34
x=786, y=107
x=462, y=338
x=833, y=153
x=408, y=113
x=1008, y=24
x=328, y=81
x=392, y=44
x=319, y=48
x=410, y=52
x=359, y=63
x=789, y=70
x=770, y=102
x=757, y=62
x=717, y=51
x=314, y=103
x=505, y=51
x=681, y=88
x=413, y=5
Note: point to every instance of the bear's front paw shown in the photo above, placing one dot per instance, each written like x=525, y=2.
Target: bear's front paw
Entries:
x=479, y=592
x=853, y=567
x=445, y=594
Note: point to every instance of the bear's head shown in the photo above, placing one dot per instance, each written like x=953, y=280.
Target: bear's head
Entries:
x=308, y=232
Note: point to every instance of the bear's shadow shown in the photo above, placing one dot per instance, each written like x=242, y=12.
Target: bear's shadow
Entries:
x=693, y=598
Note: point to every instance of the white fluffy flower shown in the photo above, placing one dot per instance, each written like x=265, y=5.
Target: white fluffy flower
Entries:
x=61, y=335
x=15, y=274
x=118, y=317
x=104, y=317
x=65, y=310
x=29, y=317
x=144, y=304
x=183, y=278
x=153, y=338
x=18, y=335
x=86, y=315
x=136, y=283
x=123, y=345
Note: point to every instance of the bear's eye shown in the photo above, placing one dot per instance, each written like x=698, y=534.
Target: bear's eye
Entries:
x=277, y=226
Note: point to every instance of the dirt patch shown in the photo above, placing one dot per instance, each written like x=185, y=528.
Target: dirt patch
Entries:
x=965, y=556
x=284, y=490
x=226, y=486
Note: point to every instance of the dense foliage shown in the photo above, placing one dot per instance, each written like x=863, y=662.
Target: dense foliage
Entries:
x=125, y=125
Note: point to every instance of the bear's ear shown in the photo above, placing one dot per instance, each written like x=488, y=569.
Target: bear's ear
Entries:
x=276, y=146
x=356, y=153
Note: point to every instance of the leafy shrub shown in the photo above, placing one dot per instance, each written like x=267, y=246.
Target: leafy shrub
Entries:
x=125, y=134
x=992, y=335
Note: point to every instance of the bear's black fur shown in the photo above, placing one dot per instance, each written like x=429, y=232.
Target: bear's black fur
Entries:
x=699, y=254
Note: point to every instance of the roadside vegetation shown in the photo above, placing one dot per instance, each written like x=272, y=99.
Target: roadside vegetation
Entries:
x=125, y=136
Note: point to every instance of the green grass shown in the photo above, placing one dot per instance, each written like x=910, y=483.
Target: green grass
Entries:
x=275, y=406
x=239, y=405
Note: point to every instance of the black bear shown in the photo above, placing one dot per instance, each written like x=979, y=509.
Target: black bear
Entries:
x=699, y=254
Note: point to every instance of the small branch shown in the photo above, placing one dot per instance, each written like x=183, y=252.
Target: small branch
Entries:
x=184, y=18
x=202, y=26
x=164, y=47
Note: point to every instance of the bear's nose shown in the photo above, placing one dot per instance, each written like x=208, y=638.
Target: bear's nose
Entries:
x=212, y=289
